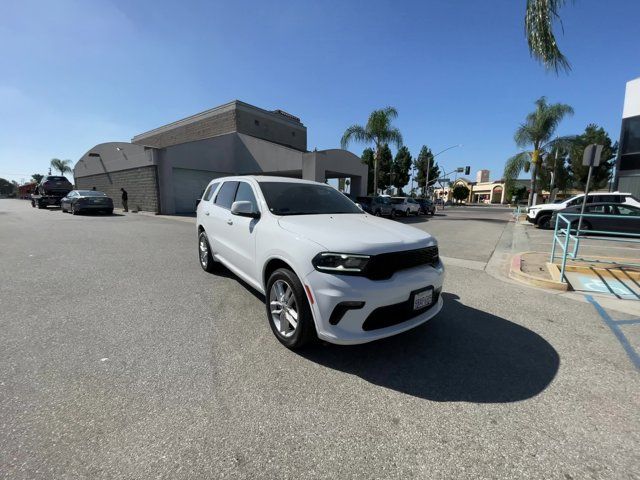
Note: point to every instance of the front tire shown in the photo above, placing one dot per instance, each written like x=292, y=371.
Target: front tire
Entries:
x=544, y=222
x=204, y=253
x=73, y=210
x=288, y=310
x=407, y=213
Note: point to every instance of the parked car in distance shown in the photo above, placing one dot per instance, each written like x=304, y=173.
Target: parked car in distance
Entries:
x=78, y=201
x=627, y=217
x=405, y=206
x=54, y=185
x=540, y=214
x=378, y=206
x=427, y=206
x=326, y=268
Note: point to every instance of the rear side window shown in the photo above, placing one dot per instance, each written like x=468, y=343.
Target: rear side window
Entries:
x=226, y=194
x=209, y=192
x=245, y=193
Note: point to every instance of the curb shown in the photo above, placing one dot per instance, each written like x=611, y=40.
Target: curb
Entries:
x=515, y=272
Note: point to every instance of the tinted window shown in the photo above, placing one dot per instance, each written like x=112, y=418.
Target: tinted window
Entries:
x=397, y=201
x=209, y=192
x=627, y=210
x=597, y=209
x=245, y=193
x=284, y=198
x=384, y=200
x=91, y=193
x=226, y=194
x=605, y=198
x=630, y=138
x=56, y=179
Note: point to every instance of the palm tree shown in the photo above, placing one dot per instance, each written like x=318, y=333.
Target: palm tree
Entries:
x=538, y=26
x=537, y=132
x=61, y=165
x=378, y=131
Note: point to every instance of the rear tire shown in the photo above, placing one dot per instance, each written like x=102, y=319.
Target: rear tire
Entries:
x=286, y=304
x=204, y=253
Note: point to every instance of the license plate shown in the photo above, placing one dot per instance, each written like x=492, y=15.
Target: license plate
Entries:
x=422, y=299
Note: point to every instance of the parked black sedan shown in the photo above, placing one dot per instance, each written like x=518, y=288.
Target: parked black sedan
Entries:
x=78, y=201
x=625, y=219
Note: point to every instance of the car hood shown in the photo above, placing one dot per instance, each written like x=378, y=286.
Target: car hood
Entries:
x=548, y=206
x=356, y=233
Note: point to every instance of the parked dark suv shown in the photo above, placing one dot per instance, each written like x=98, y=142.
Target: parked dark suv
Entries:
x=378, y=206
x=54, y=185
x=427, y=206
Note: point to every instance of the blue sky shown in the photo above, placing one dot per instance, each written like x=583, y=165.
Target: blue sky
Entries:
x=78, y=72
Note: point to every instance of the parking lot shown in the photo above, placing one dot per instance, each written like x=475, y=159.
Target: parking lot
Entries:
x=121, y=358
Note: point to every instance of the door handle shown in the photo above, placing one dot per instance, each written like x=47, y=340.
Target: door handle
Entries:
x=229, y=222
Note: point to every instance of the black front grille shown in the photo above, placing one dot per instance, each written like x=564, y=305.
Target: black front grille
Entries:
x=390, y=315
x=383, y=266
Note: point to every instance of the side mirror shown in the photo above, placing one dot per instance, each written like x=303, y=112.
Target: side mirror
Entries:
x=244, y=208
x=198, y=202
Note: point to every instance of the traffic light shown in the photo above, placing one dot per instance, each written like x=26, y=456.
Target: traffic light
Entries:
x=467, y=169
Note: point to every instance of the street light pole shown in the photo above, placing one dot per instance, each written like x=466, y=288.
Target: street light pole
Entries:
x=426, y=185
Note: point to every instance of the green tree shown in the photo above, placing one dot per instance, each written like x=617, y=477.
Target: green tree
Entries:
x=539, y=18
x=37, y=178
x=61, y=166
x=426, y=158
x=368, y=159
x=602, y=173
x=6, y=187
x=537, y=132
x=378, y=131
x=384, y=168
x=515, y=190
x=460, y=192
x=400, y=168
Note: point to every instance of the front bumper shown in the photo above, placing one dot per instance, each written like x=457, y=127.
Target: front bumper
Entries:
x=330, y=290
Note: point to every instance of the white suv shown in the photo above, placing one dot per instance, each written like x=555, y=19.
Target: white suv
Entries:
x=405, y=206
x=326, y=268
x=541, y=214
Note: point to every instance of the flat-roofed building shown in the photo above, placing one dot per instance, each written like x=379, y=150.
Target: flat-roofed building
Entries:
x=165, y=170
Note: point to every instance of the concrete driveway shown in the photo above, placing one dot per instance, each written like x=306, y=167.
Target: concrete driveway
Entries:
x=121, y=358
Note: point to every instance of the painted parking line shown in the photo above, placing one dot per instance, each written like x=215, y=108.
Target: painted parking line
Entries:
x=614, y=325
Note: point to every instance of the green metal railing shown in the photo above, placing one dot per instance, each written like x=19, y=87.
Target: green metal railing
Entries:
x=565, y=230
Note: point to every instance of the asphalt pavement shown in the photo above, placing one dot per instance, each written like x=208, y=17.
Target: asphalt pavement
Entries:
x=121, y=358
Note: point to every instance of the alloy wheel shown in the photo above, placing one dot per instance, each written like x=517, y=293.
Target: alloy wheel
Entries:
x=204, y=252
x=284, y=309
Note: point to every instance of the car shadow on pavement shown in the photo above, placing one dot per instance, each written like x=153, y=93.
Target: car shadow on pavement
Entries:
x=463, y=354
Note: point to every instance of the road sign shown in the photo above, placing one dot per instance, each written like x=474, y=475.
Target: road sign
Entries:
x=460, y=169
x=591, y=158
x=592, y=154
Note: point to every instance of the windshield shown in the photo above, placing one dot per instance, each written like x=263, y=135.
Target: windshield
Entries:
x=91, y=193
x=289, y=198
x=56, y=179
x=384, y=200
x=397, y=201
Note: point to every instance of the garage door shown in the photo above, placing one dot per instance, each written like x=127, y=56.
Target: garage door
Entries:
x=188, y=186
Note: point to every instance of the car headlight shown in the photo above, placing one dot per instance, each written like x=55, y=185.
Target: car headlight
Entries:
x=346, y=263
